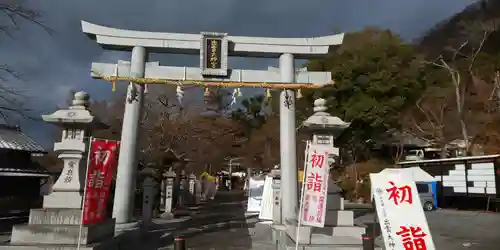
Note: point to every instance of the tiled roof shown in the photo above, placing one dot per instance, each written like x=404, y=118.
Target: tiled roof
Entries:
x=394, y=137
x=33, y=169
x=13, y=138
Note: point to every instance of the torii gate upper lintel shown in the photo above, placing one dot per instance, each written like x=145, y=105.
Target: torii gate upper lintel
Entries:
x=213, y=48
x=242, y=46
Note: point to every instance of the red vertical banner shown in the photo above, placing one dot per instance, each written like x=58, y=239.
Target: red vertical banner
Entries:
x=102, y=163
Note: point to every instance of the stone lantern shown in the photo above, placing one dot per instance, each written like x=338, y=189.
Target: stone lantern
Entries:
x=149, y=185
x=76, y=122
x=58, y=224
x=339, y=224
x=324, y=128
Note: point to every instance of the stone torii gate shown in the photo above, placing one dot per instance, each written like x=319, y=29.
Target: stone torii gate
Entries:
x=214, y=49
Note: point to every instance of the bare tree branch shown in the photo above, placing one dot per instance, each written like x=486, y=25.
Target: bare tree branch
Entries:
x=13, y=10
x=480, y=47
x=12, y=100
x=424, y=112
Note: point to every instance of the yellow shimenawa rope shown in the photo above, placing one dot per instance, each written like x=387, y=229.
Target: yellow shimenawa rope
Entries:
x=215, y=84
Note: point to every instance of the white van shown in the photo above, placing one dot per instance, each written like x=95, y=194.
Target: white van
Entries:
x=415, y=155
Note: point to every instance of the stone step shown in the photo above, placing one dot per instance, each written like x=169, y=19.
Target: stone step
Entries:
x=61, y=234
x=325, y=242
x=338, y=240
x=348, y=231
x=55, y=216
x=339, y=218
x=351, y=231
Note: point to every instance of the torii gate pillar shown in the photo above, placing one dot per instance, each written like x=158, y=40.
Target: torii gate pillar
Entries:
x=129, y=148
x=288, y=159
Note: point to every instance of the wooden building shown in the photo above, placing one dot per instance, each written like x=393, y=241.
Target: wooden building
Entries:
x=21, y=178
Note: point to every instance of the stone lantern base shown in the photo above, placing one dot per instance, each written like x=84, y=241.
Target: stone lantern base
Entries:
x=58, y=228
x=57, y=199
x=338, y=233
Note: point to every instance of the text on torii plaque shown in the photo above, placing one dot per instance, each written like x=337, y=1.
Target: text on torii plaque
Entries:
x=214, y=53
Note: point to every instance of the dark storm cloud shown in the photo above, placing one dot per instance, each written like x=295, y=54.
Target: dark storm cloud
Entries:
x=52, y=65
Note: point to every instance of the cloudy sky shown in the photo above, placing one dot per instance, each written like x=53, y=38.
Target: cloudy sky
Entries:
x=54, y=64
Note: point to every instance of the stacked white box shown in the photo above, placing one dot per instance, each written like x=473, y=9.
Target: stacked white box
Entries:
x=481, y=175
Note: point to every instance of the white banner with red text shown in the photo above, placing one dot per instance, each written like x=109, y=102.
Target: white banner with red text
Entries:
x=400, y=213
x=315, y=186
x=102, y=164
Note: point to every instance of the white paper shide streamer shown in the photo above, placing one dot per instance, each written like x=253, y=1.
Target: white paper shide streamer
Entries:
x=179, y=93
x=233, y=97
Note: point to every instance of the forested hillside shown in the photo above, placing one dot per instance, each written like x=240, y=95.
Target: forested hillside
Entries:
x=468, y=24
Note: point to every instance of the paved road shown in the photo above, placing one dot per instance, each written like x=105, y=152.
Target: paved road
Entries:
x=460, y=230
x=230, y=227
x=455, y=230
x=451, y=230
x=228, y=239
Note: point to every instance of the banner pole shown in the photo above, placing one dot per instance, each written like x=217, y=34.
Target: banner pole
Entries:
x=91, y=139
x=302, y=195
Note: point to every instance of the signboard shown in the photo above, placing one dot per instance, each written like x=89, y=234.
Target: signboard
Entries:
x=255, y=192
x=400, y=213
x=323, y=139
x=213, y=54
x=266, y=206
x=169, y=190
x=102, y=163
x=315, y=186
